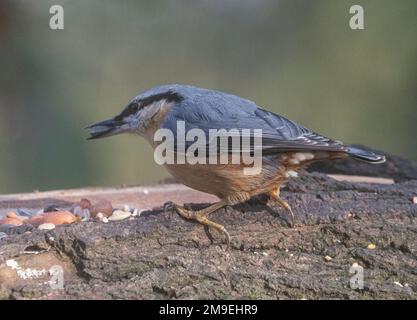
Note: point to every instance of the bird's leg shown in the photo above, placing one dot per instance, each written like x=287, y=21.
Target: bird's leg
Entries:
x=274, y=194
x=201, y=217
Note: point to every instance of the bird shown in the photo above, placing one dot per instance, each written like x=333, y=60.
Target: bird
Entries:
x=283, y=146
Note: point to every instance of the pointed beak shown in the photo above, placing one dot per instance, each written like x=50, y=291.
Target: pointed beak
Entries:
x=106, y=128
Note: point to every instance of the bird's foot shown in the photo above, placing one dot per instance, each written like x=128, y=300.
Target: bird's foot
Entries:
x=201, y=217
x=287, y=207
x=275, y=197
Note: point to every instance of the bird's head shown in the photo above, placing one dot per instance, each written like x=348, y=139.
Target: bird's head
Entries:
x=141, y=112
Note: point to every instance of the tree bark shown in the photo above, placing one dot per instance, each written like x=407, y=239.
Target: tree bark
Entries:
x=339, y=224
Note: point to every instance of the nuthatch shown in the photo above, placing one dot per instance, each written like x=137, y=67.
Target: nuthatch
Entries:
x=285, y=145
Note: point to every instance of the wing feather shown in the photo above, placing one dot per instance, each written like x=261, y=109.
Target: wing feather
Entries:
x=223, y=111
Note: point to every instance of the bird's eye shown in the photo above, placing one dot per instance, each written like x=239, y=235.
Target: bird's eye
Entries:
x=130, y=109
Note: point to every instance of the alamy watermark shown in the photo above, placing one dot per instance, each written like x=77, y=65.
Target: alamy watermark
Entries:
x=357, y=20
x=356, y=281
x=56, y=22
x=56, y=274
x=57, y=277
x=220, y=146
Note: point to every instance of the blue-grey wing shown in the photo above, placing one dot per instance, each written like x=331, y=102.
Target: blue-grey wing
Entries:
x=283, y=134
x=230, y=112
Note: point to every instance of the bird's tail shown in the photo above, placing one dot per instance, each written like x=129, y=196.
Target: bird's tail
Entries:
x=365, y=155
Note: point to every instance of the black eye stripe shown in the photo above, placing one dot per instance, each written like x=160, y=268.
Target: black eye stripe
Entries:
x=133, y=107
x=130, y=109
x=169, y=96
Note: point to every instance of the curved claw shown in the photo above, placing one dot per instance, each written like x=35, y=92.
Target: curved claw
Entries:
x=227, y=238
x=275, y=196
x=208, y=233
x=169, y=206
x=223, y=231
x=288, y=208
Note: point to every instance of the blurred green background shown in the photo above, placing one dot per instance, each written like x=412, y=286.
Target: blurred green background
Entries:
x=297, y=58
